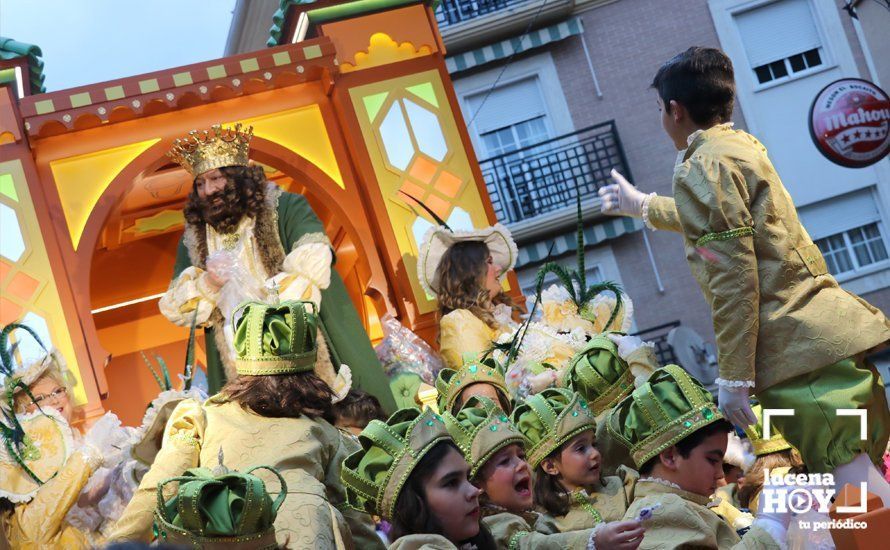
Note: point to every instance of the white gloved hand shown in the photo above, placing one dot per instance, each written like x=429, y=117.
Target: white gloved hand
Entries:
x=626, y=344
x=622, y=198
x=735, y=406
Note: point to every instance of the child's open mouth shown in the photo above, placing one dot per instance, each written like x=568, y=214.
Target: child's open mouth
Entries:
x=524, y=486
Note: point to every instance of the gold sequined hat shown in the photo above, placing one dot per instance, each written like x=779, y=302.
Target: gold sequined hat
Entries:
x=450, y=383
x=218, y=147
x=551, y=418
x=760, y=445
x=480, y=429
x=374, y=475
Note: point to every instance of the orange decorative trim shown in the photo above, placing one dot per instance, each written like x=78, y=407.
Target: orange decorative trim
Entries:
x=383, y=50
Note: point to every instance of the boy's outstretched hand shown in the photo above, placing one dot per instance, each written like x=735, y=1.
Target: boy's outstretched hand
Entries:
x=622, y=198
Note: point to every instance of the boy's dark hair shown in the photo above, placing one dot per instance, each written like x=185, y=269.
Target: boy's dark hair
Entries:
x=360, y=407
x=693, y=440
x=702, y=80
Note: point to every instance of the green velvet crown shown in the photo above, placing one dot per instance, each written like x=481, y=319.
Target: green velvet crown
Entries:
x=450, y=382
x=219, y=508
x=374, y=476
x=279, y=339
x=551, y=418
x=481, y=429
x=599, y=374
x=670, y=406
x=761, y=446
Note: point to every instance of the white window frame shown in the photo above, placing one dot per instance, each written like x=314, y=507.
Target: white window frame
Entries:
x=825, y=50
x=792, y=75
x=836, y=51
x=541, y=67
x=848, y=245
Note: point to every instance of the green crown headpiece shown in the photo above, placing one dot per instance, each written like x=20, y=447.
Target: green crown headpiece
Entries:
x=670, y=406
x=279, y=339
x=374, y=476
x=551, y=418
x=599, y=374
x=219, y=508
x=481, y=429
x=761, y=446
x=450, y=382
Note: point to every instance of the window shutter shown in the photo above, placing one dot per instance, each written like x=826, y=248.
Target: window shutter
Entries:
x=507, y=105
x=778, y=30
x=839, y=214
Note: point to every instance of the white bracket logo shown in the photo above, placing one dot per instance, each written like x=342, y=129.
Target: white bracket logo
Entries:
x=863, y=435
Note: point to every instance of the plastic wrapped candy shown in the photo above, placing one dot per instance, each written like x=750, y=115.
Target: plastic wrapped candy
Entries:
x=402, y=351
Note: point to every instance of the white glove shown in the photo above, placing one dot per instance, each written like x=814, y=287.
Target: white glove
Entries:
x=626, y=344
x=734, y=404
x=622, y=198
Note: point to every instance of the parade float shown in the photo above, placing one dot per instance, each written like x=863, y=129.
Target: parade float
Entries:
x=356, y=114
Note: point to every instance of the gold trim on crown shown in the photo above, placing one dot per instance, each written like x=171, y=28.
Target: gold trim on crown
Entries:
x=215, y=148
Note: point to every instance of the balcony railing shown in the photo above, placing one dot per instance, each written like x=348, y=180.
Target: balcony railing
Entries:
x=659, y=336
x=452, y=12
x=547, y=176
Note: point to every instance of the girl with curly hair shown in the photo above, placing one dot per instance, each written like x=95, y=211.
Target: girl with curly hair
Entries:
x=464, y=270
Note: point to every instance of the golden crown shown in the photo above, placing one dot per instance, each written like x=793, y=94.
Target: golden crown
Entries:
x=215, y=148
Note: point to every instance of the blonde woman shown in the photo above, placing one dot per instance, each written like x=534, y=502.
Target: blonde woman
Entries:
x=42, y=473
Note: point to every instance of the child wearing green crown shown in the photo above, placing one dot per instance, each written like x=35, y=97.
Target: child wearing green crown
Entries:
x=603, y=377
x=786, y=331
x=410, y=472
x=474, y=378
x=495, y=451
x=677, y=438
x=271, y=414
x=569, y=487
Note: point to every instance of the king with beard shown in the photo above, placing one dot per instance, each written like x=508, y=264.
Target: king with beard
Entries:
x=246, y=238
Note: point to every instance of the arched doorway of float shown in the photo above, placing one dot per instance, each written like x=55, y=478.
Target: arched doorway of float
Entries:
x=136, y=227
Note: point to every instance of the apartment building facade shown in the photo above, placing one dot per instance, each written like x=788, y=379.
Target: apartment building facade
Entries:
x=556, y=93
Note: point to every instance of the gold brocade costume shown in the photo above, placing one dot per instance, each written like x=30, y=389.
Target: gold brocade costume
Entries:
x=461, y=332
x=530, y=531
x=777, y=311
x=686, y=520
x=607, y=502
x=422, y=542
x=40, y=523
x=308, y=453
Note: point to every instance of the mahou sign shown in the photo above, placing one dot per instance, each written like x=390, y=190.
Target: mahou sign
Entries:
x=850, y=122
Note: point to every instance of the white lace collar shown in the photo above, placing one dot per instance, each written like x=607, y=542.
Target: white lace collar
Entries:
x=691, y=137
x=660, y=481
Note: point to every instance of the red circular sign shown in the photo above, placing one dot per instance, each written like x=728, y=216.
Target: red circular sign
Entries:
x=850, y=122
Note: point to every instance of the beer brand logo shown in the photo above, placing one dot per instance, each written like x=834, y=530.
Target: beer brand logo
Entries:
x=850, y=122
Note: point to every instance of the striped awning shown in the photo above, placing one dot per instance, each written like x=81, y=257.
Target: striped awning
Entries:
x=594, y=234
x=518, y=44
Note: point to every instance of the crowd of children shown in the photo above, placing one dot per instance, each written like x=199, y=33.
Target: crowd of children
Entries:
x=554, y=432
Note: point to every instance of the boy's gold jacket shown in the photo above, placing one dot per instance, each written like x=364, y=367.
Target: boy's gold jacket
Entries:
x=778, y=313
x=686, y=520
